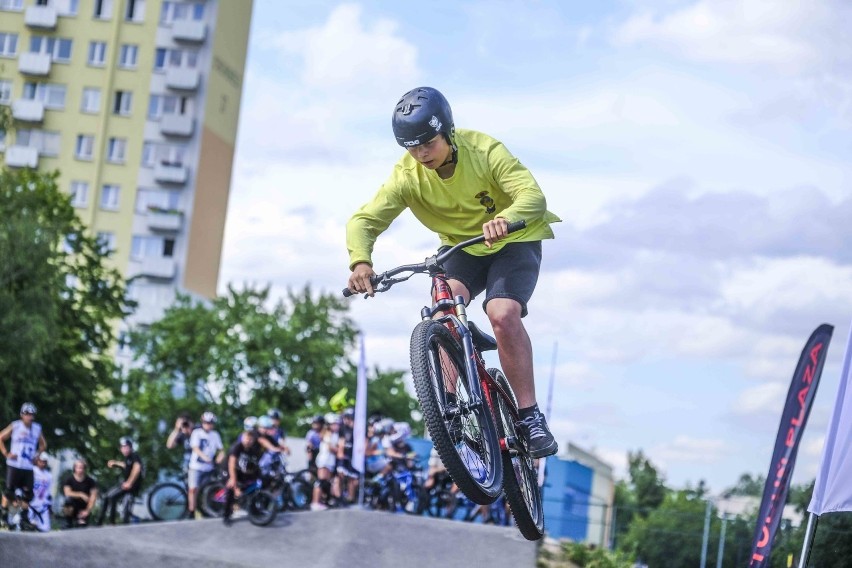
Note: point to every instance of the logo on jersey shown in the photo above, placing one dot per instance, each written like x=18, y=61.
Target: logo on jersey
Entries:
x=486, y=201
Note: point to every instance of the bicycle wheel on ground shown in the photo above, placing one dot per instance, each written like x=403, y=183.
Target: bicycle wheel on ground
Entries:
x=211, y=499
x=300, y=495
x=167, y=502
x=262, y=508
x=520, y=481
x=464, y=433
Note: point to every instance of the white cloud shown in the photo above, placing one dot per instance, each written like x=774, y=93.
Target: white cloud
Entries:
x=345, y=52
x=690, y=450
x=791, y=36
x=766, y=397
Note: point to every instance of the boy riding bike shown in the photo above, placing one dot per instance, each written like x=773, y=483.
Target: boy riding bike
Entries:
x=460, y=184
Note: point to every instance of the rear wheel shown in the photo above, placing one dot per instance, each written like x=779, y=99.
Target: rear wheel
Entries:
x=463, y=433
x=520, y=481
x=262, y=508
x=300, y=495
x=167, y=502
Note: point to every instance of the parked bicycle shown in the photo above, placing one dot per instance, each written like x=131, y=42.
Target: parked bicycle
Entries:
x=474, y=428
x=291, y=490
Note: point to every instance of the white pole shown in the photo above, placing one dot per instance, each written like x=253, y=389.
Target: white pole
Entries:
x=806, y=545
x=721, y=541
x=706, y=535
x=547, y=409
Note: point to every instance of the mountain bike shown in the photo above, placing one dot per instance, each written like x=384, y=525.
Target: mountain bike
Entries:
x=469, y=409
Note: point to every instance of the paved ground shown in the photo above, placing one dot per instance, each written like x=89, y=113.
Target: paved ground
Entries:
x=326, y=539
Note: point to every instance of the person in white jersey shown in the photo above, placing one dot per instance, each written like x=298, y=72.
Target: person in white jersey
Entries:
x=42, y=497
x=26, y=442
x=206, y=443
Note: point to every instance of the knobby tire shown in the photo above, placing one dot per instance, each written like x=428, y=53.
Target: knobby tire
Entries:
x=520, y=479
x=478, y=449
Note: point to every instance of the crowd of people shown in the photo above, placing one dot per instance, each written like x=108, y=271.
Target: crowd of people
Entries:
x=329, y=445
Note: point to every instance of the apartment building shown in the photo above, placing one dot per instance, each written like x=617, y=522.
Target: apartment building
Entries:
x=136, y=103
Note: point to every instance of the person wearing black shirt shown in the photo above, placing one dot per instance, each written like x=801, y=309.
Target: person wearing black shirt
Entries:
x=243, y=468
x=129, y=487
x=81, y=494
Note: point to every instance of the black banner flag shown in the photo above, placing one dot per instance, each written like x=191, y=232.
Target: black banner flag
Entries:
x=799, y=398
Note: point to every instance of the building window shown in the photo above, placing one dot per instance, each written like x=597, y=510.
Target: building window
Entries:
x=85, y=147
x=58, y=48
x=159, y=105
x=148, y=246
x=170, y=58
x=97, y=53
x=146, y=199
x=127, y=56
x=8, y=44
x=123, y=103
x=51, y=94
x=116, y=150
x=5, y=91
x=66, y=7
x=109, y=196
x=103, y=9
x=135, y=11
x=166, y=154
x=11, y=5
x=172, y=11
x=91, y=102
x=79, y=193
x=107, y=240
x=47, y=142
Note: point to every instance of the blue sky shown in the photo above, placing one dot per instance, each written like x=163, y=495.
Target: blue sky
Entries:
x=696, y=151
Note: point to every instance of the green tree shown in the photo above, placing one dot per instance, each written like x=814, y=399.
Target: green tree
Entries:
x=240, y=355
x=59, y=299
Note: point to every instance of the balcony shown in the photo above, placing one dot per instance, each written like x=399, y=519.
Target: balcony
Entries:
x=189, y=31
x=34, y=64
x=164, y=220
x=182, y=78
x=22, y=157
x=28, y=110
x=171, y=173
x=177, y=125
x=42, y=17
x=158, y=267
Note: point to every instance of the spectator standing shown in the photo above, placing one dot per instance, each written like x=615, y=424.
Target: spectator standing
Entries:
x=26, y=442
x=206, y=446
x=179, y=438
x=312, y=442
x=81, y=494
x=42, y=500
x=128, y=488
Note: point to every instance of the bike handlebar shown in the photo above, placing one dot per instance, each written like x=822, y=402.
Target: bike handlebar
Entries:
x=433, y=264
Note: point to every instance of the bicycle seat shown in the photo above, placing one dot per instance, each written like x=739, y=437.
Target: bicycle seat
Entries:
x=482, y=340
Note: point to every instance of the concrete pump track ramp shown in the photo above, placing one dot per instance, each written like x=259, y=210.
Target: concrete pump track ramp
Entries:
x=325, y=539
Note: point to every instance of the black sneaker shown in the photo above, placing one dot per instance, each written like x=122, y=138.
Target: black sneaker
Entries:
x=227, y=521
x=534, y=430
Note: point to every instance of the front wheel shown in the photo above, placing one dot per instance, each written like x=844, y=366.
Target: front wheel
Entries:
x=262, y=508
x=211, y=499
x=520, y=481
x=167, y=502
x=463, y=432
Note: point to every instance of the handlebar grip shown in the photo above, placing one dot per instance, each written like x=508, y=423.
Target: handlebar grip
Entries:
x=347, y=292
x=516, y=226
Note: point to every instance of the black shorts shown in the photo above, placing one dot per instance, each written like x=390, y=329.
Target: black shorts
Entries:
x=19, y=479
x=512, y=272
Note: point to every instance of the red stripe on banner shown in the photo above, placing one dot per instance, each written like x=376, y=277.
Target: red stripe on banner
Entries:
x=799, y=399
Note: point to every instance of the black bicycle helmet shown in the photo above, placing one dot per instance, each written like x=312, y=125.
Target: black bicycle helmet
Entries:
x=419, y=115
